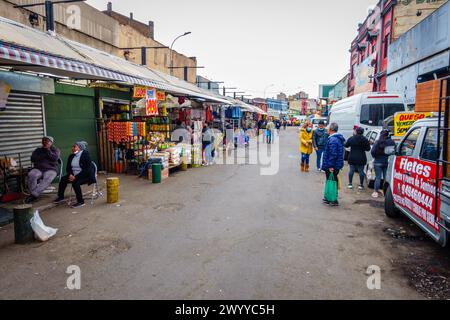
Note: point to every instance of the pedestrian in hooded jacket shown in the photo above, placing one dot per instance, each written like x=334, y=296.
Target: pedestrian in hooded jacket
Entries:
x=357, y=160
x=381, y=159
x=333, y=155
x=306, y=145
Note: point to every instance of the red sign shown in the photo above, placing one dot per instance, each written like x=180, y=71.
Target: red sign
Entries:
x=414, y=189
x=161, y=96
x=152, y=103
x=139, y=92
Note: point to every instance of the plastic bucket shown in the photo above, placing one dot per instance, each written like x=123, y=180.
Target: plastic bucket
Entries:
x=156, y=172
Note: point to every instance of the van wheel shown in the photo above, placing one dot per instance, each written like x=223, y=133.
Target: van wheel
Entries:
x=389, y=207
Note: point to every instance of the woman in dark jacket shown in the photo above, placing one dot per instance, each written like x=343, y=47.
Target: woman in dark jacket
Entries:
x=381, y=159
x=80, y=171
x=357, y=160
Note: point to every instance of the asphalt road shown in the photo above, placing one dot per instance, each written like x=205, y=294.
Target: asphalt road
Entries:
x=220, y=232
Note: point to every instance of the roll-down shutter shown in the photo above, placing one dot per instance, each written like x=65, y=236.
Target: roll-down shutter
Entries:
x=21, y=126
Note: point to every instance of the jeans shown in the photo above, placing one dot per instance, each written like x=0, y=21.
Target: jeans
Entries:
x=269, y=136
x=305, y=158
x=319, y=157
x=35, y=186
x=360, y=170
x=380, y=173
x=76, y=185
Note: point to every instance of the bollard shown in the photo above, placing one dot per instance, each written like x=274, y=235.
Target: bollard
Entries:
x=22, y=226
x=112, y=190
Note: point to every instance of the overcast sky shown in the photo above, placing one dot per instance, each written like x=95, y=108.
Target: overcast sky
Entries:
x=251, y=44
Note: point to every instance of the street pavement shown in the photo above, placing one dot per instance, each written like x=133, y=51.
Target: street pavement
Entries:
x=218, y=232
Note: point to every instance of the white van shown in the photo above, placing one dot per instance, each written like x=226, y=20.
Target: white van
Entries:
x=366, y=110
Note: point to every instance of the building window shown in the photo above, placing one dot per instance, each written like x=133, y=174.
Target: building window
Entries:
x=155, y=60
x=386, y=45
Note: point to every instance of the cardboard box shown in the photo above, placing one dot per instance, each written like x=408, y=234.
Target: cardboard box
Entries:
x=164, y=174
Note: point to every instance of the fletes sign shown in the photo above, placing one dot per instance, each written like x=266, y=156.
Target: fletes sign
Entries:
x=414, y=189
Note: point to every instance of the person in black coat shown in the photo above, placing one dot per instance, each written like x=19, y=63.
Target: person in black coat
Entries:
x=357, y=160
x=80, y=171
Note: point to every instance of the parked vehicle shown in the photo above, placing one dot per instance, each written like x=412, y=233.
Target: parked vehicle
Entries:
x=316, y=121
x=372, y=136
x=415, y=186
x=366, y=110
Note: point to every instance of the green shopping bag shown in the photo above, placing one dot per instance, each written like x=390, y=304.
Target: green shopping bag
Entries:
x=331, y=189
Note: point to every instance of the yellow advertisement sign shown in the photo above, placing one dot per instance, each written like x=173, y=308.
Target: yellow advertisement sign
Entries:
x=404, y=120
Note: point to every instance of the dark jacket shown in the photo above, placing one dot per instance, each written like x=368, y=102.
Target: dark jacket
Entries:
x=333, y=156
x=358, y=145
x=46, y=159
x=87, y=168
x=320, y=138
x=378, y=153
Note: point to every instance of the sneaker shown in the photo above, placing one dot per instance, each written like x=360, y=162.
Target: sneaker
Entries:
x=58, y=200
x=78, y=205
x=361, y=188
x=350, y=187
x=334, y=204
x=375, y=195
x=326, y=201
x=30, y=199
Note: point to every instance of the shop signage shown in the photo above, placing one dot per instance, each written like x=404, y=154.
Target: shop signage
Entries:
x=364, y=75
x=5, y=89
x=414, y=188
x=161, y=96
x=404, y=120
x=151, y=103
x=139, y=92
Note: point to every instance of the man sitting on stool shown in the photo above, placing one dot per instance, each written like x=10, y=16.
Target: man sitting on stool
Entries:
x=80, y=171
x=45, y=161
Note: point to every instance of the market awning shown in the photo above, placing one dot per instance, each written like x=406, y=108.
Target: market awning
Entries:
x=26, y=49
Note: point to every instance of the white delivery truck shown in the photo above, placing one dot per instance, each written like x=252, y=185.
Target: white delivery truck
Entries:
x=366, y=110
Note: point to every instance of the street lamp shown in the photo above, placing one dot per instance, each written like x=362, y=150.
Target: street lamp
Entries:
x=171, y=52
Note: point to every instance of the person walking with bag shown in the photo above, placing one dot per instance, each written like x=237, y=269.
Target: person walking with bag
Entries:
x=357, y=160
x=320, y=138
x=333, y=161
x=306, y=146
x=381, y=159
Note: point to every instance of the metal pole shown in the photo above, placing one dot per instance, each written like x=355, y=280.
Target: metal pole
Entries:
x=49, y=17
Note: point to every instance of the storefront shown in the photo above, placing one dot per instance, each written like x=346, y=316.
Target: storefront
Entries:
x=22, y=120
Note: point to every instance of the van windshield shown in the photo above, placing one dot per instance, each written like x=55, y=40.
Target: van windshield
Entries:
x=375, y=114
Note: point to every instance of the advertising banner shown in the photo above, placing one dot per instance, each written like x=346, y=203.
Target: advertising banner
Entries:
x=139, y=92
x=161, y=96
x=414, y=189
x=151, y=103
x=404, y=120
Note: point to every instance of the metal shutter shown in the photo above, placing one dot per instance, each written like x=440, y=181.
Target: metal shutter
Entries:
x=21, y=126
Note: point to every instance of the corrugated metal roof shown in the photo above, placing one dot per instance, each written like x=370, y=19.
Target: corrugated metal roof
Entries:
x=25, y=37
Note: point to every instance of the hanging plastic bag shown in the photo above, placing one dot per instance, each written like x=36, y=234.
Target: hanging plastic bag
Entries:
x=41, y=231
x=331, y=189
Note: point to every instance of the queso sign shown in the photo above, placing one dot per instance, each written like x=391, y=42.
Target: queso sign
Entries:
x=404, y=120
